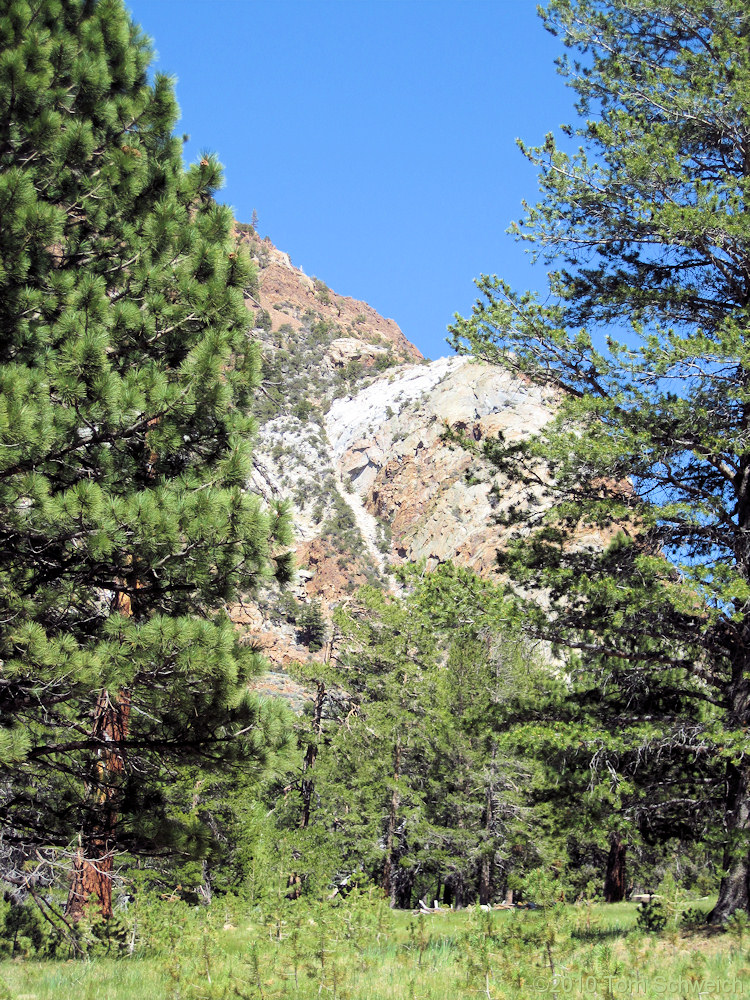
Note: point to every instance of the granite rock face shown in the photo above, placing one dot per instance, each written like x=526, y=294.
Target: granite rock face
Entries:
x=359, y=431
x=390, y=440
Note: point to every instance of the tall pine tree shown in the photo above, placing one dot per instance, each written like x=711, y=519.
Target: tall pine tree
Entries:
x=126, y=380
x=648, y=224
x=410, y=779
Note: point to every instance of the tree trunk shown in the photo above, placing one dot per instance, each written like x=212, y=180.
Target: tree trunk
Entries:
x=734, y=892
x=402, y=887
x=614, y=880
x=485, y=870
x=93, y=863
x=94, y=860
x=459, y=892
x=390, y=834
x=308, y=784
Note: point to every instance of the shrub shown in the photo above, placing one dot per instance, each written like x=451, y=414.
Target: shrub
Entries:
x=692, y=918
x=651, y=916
x=385, y=361
x=738, y=924
x=263, y=320
x=322, y=291
x=302, y=410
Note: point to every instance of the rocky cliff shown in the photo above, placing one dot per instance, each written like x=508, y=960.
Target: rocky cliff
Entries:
x=357, y=429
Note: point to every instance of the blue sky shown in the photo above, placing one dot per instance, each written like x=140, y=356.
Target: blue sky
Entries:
x=374, y=138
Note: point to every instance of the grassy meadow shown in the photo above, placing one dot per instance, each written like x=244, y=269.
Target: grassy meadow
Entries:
x=358, y=949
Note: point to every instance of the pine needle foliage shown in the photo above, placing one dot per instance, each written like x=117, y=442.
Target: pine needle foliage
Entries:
x=643, y=346
x=127, y=379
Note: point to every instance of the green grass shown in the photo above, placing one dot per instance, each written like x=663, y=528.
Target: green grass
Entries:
x=360, y=950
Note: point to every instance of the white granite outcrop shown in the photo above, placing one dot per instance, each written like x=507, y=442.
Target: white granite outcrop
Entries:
x=389, y=441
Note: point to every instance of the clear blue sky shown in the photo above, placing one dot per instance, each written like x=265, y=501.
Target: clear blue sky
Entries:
x=374, y=138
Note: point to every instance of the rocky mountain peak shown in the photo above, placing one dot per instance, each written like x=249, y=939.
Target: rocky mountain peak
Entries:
x=288, y=296
x=355, y=428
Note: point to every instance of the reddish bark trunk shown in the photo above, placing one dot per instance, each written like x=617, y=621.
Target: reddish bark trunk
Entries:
x=93, y=864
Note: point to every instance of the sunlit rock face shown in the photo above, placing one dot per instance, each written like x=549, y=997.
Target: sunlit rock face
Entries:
x=358, y=430
x=390, y=441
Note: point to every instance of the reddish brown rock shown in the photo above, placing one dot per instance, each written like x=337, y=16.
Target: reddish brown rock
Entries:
x=286, y=294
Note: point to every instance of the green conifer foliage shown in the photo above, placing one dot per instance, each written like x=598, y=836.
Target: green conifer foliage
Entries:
x=649, y=227
x=407, y=777
x=126, y=381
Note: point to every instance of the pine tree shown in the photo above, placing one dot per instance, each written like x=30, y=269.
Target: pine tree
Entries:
x=481, y=787
x=649, y=227
x=311, y=626
x=413, y=783
x=126, y=382
x=373, y=769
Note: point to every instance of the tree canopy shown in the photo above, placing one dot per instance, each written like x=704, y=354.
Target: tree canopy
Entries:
x=126, y=384
x=643, y=342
